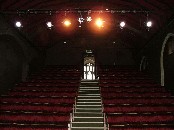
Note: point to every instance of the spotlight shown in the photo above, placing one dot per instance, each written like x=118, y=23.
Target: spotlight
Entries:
x=89, y=19
x=18, y=24
x=49, y=24
x=149, y=24
x=81, y=20
x=99, y=22
x=67, y=23
x=122, y=24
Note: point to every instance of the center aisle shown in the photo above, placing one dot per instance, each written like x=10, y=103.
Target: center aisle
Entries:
x=88, y=112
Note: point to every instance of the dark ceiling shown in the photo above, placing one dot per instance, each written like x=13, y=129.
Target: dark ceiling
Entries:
x=35, y=13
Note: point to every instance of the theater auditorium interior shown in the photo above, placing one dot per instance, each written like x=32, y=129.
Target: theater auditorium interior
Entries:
x=86, y=64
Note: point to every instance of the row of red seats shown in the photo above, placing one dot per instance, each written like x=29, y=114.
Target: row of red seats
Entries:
x=126, y=80
x=45, y=88
x=114, y=72
x=136, y=94
x=132, y=89
x=70, y=94
x=123, y=78
x=61, y=68
x=55, y=76
x=167, y=125
x=137, y=108
x=48, y=100
x=54, y=80
x=129, y=84
x=138, y=101
x=59, y=71
x=35, y=107
x=114, y=76
x=56, y=72
x=24, y=126
x=34, y=118
x=120, y=73
x=141, y=118
x=48, y=84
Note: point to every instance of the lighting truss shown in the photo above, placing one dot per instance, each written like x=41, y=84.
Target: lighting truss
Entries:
x=50, y=12
x=81, y=19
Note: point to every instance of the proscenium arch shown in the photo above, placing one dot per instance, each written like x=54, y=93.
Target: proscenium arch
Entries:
x=169, y=35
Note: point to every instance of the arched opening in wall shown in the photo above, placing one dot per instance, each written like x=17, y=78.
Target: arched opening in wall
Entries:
x=168, y=63
x=144, y=65
x=89, y=66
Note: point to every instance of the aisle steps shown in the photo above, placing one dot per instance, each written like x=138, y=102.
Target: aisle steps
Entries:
x=88, y=113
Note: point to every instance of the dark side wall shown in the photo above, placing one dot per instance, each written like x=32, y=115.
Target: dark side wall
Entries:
x=11, y=65
x=64, y=55
x=16, y=56
x=114, y=56
x=152, y=51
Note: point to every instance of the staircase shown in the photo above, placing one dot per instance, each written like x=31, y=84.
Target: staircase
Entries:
x=88, y=113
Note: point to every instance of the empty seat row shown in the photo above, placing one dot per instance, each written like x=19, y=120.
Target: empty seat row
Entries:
x=132, y=89
x=138, y=101
x=47, y=100
x=47, y=84
x=74, y=94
